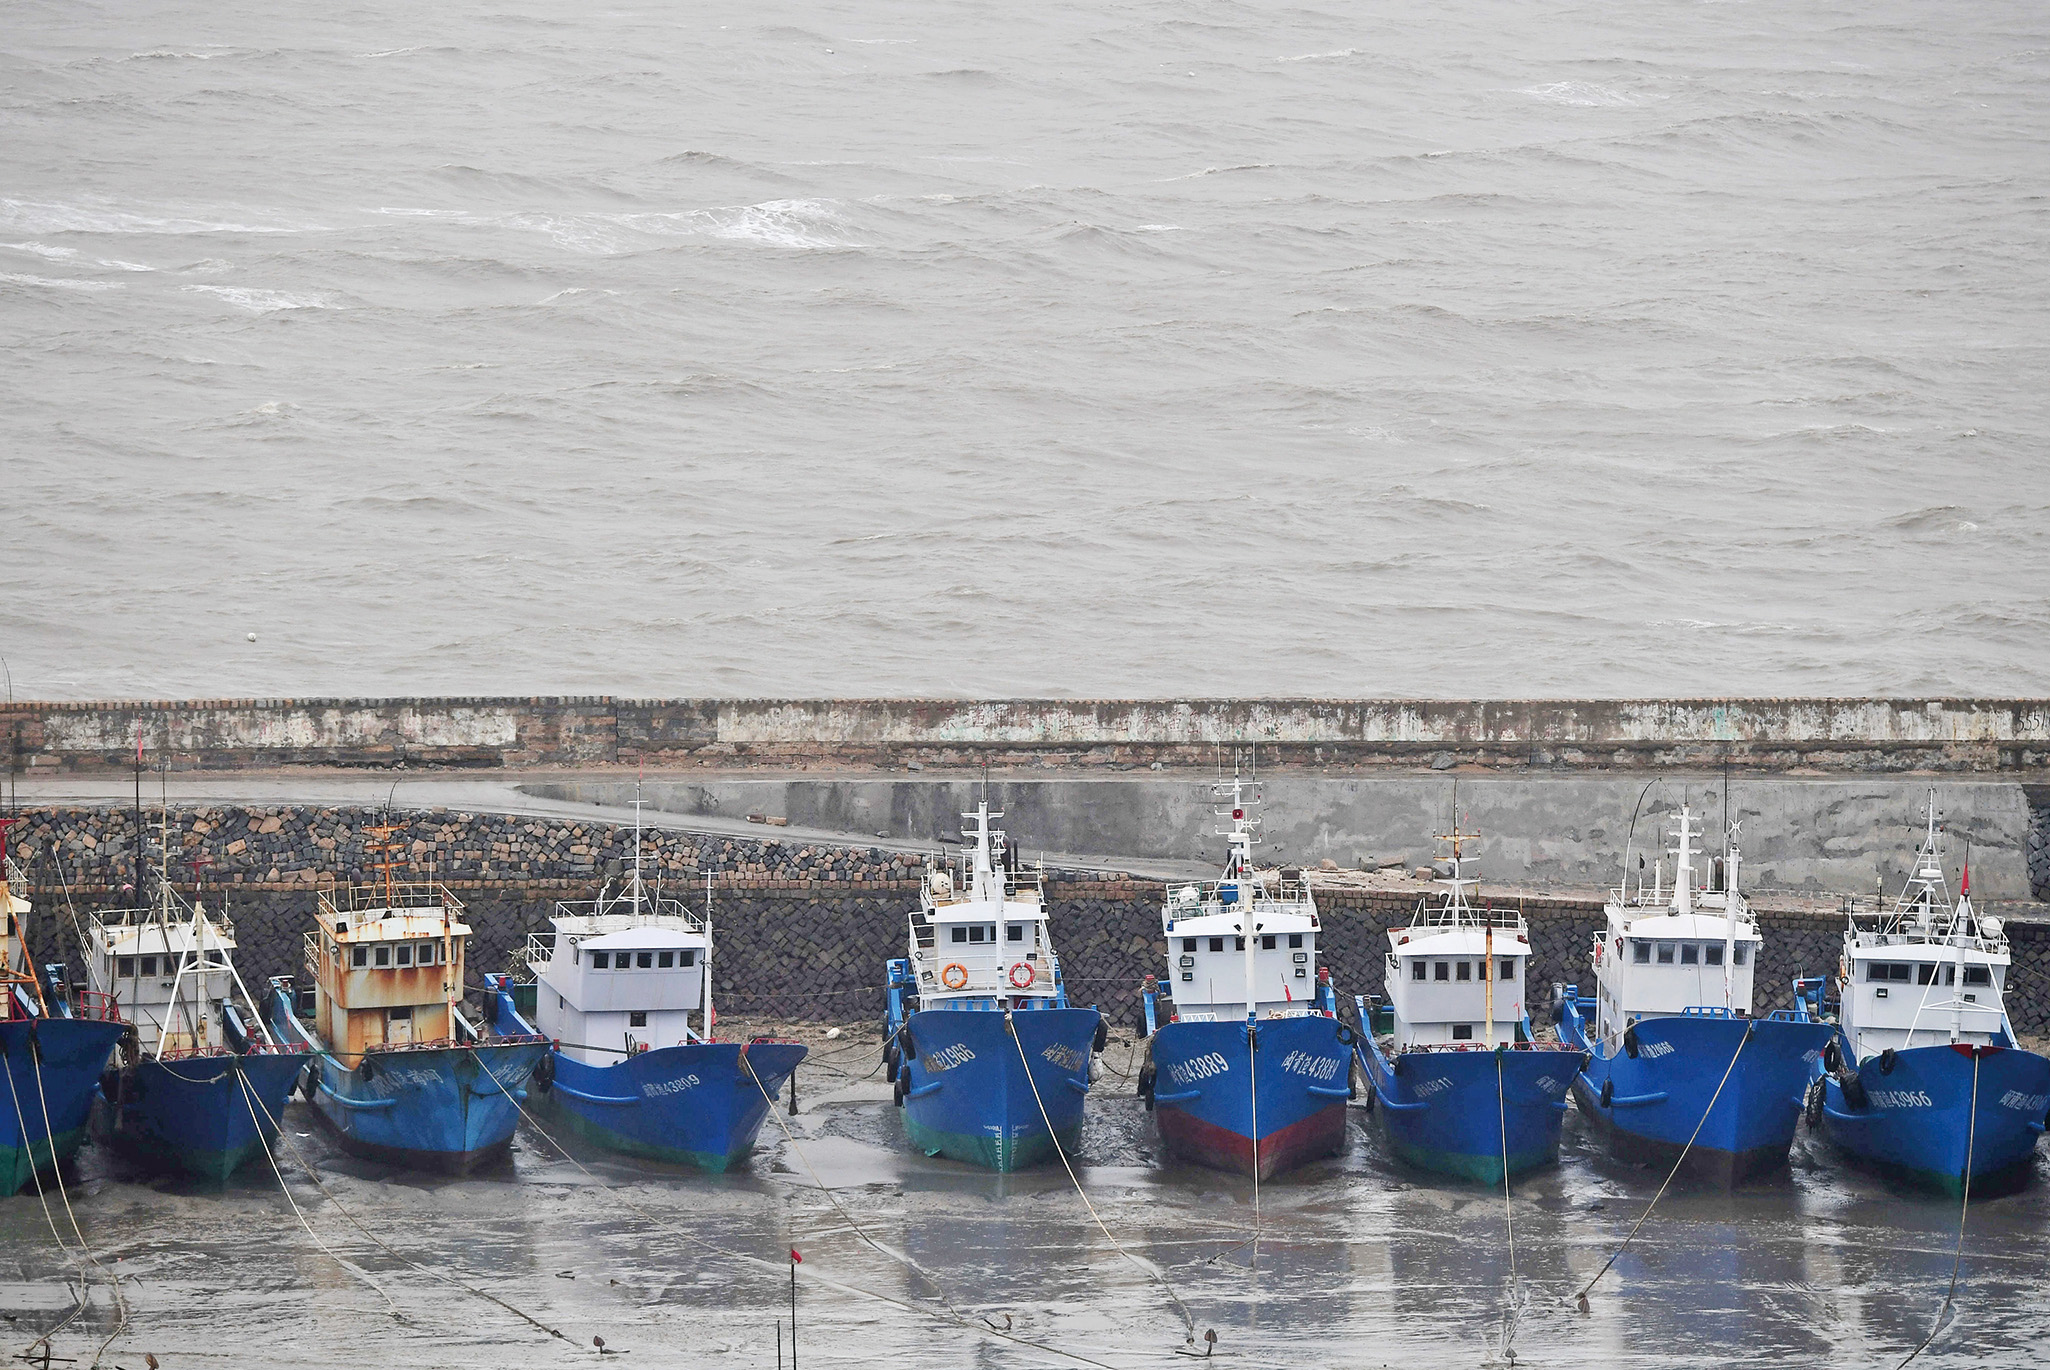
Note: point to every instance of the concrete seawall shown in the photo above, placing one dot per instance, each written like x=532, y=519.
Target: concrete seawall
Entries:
x=804, y=928
x=1980, y=736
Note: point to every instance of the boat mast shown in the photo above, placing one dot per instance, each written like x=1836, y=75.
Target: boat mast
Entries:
x=1683, y=871
x=706, y=1020
x=1730, y=898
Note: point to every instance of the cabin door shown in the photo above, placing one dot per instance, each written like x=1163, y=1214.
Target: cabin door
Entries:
x=398, y=1027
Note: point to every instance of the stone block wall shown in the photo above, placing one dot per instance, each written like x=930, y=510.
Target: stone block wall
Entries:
x=802, y=930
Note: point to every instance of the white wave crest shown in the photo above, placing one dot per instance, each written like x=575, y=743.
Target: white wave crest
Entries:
x=42, y=250
x=58, y=282
x=1321, y=56
x=261, y=301
x=38, y=216
x=1582, y=93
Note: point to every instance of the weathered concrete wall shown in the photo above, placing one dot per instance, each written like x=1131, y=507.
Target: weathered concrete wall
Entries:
x=803, y=930
x=1964, y=735
x=1568, y=830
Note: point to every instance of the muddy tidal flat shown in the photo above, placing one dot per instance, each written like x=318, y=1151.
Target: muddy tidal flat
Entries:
x=1359, y=1261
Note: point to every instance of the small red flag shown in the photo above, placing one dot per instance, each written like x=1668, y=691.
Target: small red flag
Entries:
x=795, y=1259
x=1238, y=813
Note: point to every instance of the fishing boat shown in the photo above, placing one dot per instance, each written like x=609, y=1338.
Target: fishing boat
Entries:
x=615, y=985
x=200, y=1085
x=1924, y=1077
x=1461, y=1083
x=989, y=1062
x=1247, y=1067
x=400, y=1073
x=53, y=1044
x=1679, y=1069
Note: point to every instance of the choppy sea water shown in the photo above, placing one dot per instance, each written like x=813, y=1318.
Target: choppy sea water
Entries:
x=1476, y=348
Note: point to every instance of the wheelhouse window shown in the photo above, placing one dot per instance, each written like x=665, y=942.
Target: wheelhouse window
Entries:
x=1712, y=955
x=637, y=1018
x=1267, y=942
x=406, y=953
x=149, y=965
x=382, y=956
x=1665, y=953
x=1417, y=969
x=1462, y=1032
x=645, y=960
x=690, y=956
x=1295, y=939
x=1508, y=968
x=1014, y=932
x=127, y=967
x=1465, y=971
x=1690, y=954
x=601, y=960
x=359, y=957
x=1441, y=970
x=1978, y=975
x=400, y=1015
x=1640, y=952
x=960, y=933
x=665, y=961
x=1238, y=944
x=1743, y=953
x=1886, y=970
x=1217, y=944
x=1188, y=944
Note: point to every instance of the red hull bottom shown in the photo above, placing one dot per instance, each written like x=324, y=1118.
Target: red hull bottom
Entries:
x=1319, y=1135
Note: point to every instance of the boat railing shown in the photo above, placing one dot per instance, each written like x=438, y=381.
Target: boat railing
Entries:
x=312, y=956
x=1437, y=915
x=399, y=895
x=537, y=953
x=97, y=1005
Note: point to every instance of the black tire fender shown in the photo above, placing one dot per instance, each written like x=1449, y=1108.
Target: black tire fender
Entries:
x=903, y=1088
x=1811, y=1106
x=1832, y=1057
x=1630, y=1042
x=1608, y=1094
x=1346, y=1036
x=1886, y=1061
x=1853, y=1087
x=1145, y=1088
x=309, y=1080
x=1102, y=1037
x=544, y=1072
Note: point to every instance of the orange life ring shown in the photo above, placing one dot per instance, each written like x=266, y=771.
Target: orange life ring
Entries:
x=952, y=969
x=1031, y=974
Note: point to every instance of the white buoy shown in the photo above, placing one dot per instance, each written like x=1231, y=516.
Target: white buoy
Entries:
x=252, y=637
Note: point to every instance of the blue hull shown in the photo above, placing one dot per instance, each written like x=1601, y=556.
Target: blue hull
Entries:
x=1917, y=1120
x=1475, y=1114
x=72, y=1052
x=426, y=1108
x=695, y=1105
x=1656, y=1098
x=191, y=1114
x=1267, y=1105
x=967, y=1094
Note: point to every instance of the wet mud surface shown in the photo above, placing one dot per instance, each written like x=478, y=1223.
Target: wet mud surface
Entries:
x=1360, y=1261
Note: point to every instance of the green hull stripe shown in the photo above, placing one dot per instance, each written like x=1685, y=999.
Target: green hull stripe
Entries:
x=19, y=1164
x=988, y=1152
x=597, y=1134
x=1485, y=1170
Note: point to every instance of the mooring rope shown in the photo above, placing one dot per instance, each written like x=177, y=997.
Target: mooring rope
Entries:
x=776, y=1268
x=248, y=1102
x=834, y=1199
x=113, y=1280
x=1514, y=1315
x=430, y=1272
x=1678, y=1161
x=1964, y=1206
x=1188, y=1321
x=36, y=1174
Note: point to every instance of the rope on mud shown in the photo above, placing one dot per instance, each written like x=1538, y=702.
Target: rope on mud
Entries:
x=248, y=1098
x=1253, y=1070
x=385, y=1246
x=36, y=1174
x=834, y=1199
x=777, y=1269
x=1963, y=1207
x=113, y=1281
x=1678, y=1161
x=1188, y=1321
